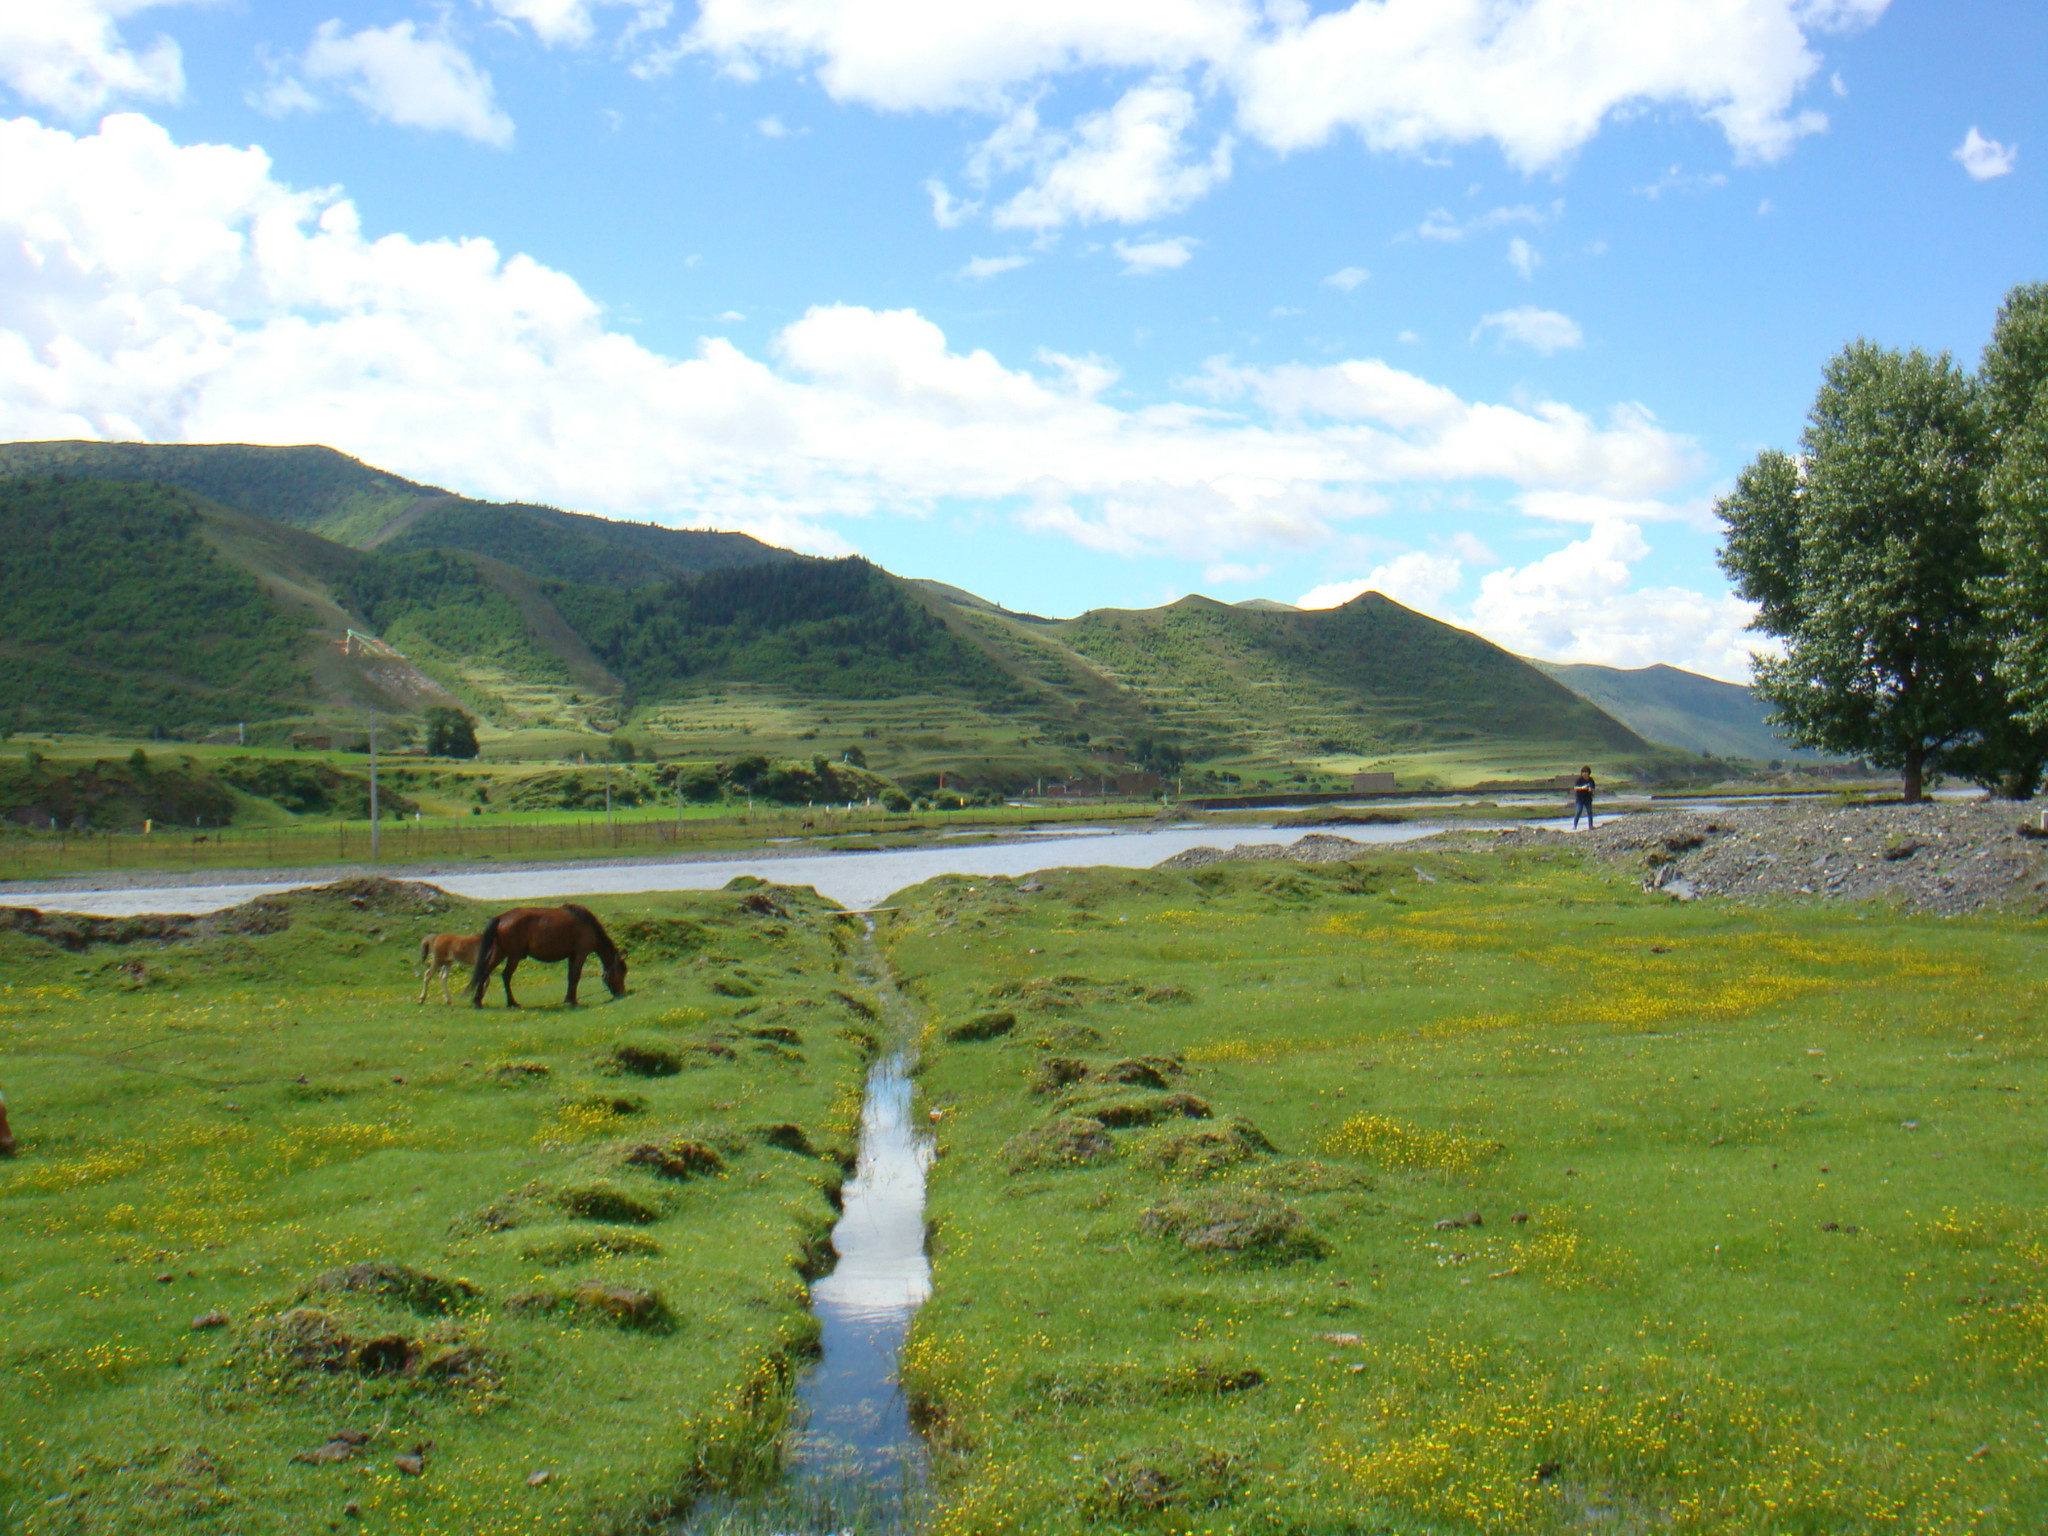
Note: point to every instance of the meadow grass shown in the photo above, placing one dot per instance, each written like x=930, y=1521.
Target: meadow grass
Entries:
x=263, y=1199
x=1758, y=1249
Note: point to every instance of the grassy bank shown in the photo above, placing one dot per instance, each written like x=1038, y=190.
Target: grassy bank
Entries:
x=1489, y=1199
x=274, y=1227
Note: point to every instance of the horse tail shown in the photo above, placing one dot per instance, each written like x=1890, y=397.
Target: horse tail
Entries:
x=480, y=975
x=600, y=941
x=427, y=949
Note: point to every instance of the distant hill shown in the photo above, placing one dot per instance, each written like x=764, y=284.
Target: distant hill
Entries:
x=1681, y=709
x=1369, y=679
x=349, y=502
x=143, y=602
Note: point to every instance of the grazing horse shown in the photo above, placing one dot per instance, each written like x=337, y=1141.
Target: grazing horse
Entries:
x=568, y=933
x=440, y=953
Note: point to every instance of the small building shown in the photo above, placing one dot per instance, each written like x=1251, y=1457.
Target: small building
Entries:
x=1372, y=783
x=1137, y=783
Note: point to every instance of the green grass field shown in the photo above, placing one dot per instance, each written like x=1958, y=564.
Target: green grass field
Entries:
x=1341, y=1200
x=263, y=1200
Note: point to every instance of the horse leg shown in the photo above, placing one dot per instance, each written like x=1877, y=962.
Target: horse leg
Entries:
x=510, y=1000
x=427, y=980
x=575, y=974
x=444, y=983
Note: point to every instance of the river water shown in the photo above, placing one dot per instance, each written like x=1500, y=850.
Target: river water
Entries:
x=856, y=879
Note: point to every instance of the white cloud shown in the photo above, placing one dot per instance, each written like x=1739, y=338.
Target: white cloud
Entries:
x=1984, y=158
x=69, y=55
x=1540, y=330
x=1523, y=257
x=574, y=22
x=772, y=127
x=1148, y=256
x=731, y=317
x=1678, y=179
x=1578, y=604
x=1415, y=580
x=1537, y=78
x=1124, y=165
x=1230, y=575
x=398, y=75
x=1440, y=224
x=981, y=268
x=168, y=293
x=948, y=211
x=1347, y=279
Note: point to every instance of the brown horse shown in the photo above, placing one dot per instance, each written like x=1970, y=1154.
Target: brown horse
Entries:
x=440, y=953
x=568, y=933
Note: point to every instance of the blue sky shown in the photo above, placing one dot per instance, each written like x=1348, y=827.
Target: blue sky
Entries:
x=1477, y=302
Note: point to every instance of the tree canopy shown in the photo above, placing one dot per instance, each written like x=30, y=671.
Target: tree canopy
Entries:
x=1875, y=557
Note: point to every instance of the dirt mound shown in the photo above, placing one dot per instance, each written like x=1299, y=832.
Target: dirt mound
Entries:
x=414, y=1289
x=1203, y=1149
x=1316, y=848
x=1071, y=1141
x=1947, y=857
x=1256, y=1226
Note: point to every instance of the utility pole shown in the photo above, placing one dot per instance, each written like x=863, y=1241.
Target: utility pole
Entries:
x=374, y=823
x=608, y=806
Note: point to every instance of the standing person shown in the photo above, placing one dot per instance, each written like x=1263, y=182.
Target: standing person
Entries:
x=1582, y=798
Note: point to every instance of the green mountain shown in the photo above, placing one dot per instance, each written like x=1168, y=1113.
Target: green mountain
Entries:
x=1681, y=709
x=349, y=502
x=145, y=604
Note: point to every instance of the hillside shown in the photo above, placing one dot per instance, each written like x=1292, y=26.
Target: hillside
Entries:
x=1366, y=681
x=116, y=610
x=179, y=613
x=1681, y=709
x=349, y=502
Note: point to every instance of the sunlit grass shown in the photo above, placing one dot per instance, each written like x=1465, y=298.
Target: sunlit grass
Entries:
x=1759, y=1243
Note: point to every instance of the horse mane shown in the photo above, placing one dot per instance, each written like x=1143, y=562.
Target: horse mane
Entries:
x=607, y=951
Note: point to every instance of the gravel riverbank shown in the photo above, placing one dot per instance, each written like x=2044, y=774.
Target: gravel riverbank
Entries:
x=1946, y=857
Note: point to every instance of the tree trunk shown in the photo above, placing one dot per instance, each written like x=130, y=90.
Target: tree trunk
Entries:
x=1915, y=774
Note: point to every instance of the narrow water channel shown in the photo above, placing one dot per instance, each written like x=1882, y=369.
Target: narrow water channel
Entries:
x=854, y=1464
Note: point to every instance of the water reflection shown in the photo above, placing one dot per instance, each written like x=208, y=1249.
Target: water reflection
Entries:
x=854, y=1423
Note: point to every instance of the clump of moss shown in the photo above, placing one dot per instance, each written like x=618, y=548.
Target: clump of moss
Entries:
x=787, y=1137
x=574, y=1247
x=602, y=1200
x=680, y=1157
x=1070, y=1141
x=415, y=1289
x=1056, y=1072
x=638, y=1058
x=1159, y=1478
x=1120, y=1111
x=1203, y=1150
x=1251, y=1225
x=982, y=1026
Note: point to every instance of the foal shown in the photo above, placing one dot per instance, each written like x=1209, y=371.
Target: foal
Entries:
x=440, y=953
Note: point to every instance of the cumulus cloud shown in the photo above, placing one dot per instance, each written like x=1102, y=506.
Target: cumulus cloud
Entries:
x=1125, y=165
x=183, y=293
x=1523, y=257
x=981, y=268
x=398, y=75
x=1415, y=580
x=1540, y=330
x=1580, y=603
x=1148, y=256
x=574, y=22
x=69, y=55
x=1984, y=158
x=1347, y=278
x=1537, y=78
x=1440, y=224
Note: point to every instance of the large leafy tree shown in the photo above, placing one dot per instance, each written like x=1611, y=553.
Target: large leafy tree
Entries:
x=1865, y=556
x=2015, y=377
